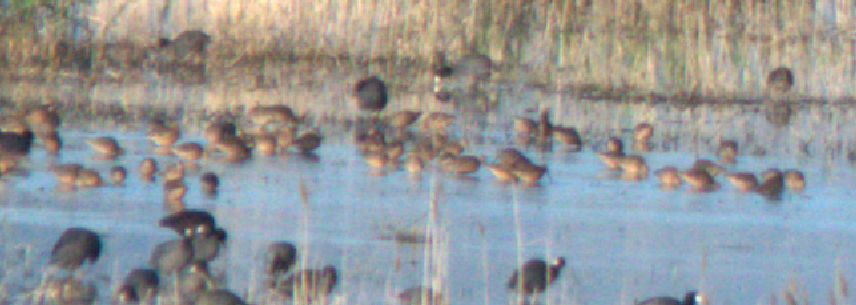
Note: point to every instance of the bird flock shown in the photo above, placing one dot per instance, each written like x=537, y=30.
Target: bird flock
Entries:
x=383, y=143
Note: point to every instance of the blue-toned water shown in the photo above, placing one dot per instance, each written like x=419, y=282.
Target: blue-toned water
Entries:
x=623, y=240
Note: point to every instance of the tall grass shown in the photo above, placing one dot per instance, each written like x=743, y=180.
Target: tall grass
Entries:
x=715, y=48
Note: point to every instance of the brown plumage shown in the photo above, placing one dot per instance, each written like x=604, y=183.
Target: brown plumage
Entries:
x=668, y=177
x=743, y=181
x=460, y=164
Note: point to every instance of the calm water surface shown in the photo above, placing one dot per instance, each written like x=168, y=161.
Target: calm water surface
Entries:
x=623, y=240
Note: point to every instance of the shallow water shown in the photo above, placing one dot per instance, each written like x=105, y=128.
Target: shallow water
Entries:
x=623, y=240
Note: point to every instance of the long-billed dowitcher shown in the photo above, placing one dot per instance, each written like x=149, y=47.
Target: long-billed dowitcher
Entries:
x=52, y=142
x=267, y=114
x=614, y=153
x=402, y=119
x=148, y=167
x=727, y=151
x=794, y=179
x=118, y=174
x=528, y=173
x=88, y=177
x=568, y=136
x=700, y=179
x=67, y=173
x=633, y=167
x=105, y=147
x=44, y=119
x=742, y=180
x=162, y=134
x=460, y=164
x=174, y=190
x=190, y=151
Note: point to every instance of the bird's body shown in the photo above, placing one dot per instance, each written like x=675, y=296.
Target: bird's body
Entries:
x=74, y=247
x=16, y=143
x=742, y=180
x=668, y=177
x=172, y=255
x=279, y=258
x=535, y=275
x=371, y=94
x=189, y=222
x=139, y=285
x=780, y=80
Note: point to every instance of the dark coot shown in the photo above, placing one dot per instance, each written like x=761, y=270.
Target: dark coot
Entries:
x=16, y=143
x=74, y=247
x=172, y=255
x=189, y=222
x=206, y=246
x=780, y=80
x=535, y=275
x=139, y=285
x=279, y=258
x=371, y=94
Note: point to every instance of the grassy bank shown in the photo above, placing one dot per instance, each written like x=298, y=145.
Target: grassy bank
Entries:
x=710, y=49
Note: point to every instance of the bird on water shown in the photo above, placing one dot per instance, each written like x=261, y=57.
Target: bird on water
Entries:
x=535, y=276
x=75, y=247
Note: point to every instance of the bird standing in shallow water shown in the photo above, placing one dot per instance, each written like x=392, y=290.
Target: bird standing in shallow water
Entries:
x=279, y=258
x=668, y=177
x=16, y=143
x=780, y=80
x=140, y=285
x=535, y=276
x=74, y=247
x=189, y=222
x=371, y=94
x=106, y=147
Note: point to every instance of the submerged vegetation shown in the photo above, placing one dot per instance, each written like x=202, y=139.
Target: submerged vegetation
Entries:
x=720, y=49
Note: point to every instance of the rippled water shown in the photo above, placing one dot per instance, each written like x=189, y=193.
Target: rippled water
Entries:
x=623, y=240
